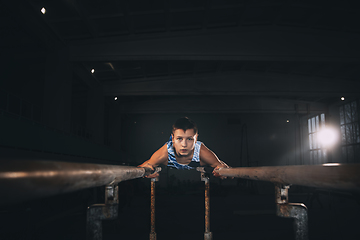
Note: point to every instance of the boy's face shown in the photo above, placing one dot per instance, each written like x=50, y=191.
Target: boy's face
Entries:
x=184, y=142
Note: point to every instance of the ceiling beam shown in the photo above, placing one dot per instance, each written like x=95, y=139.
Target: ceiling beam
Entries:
x=84, y=16
x=240, y=46
x=228, y=104
x=246, y=84
x=128, y=17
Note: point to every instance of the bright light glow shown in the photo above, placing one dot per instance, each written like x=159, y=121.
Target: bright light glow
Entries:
x=92, y=70
x=115, y=98
x=342, y=98
x=287, y=120
x=43, y=10
x=327, y=137
x=331, y=164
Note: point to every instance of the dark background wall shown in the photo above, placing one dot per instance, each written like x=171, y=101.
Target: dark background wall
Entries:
x=270, y=138
x=250, y=73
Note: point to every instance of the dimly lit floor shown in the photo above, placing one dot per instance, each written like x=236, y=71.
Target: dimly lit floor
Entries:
x=239, y=215
x=235, y=214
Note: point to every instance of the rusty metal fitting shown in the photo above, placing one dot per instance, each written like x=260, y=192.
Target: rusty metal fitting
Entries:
x=208, y=236
x=153, y=236
x=112, y=194
x=155, y=179
x=204, y=177
x=281, y=193
x=298, y=212
x=98, y=212
x=94, y=216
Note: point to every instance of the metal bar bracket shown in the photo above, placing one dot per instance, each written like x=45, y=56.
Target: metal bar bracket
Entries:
x=98, y=212
x=297, y=211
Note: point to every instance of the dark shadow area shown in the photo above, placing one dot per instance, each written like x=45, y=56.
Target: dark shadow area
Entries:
x=237, y=212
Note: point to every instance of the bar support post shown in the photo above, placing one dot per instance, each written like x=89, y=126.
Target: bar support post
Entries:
x=207, y=233
x=152, y=209
x=98, y=212
x=297, y=211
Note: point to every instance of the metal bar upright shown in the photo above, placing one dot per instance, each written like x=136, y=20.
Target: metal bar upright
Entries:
x=98, y=212
x=297, y=211
x=152, y=209
x=207, y=233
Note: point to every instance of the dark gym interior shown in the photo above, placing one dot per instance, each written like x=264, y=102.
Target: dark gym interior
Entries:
x=103, y=81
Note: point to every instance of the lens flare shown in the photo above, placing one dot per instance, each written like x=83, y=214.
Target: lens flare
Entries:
x=327, y=137
x=331, y=164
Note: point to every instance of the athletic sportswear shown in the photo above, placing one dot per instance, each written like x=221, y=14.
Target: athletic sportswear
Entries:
x=195, y=161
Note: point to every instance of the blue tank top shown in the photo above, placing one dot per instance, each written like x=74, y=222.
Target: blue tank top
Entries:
x=195, y=161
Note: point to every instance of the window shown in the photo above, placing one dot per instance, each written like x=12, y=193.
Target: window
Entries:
x=350, y=137
x=317, y=153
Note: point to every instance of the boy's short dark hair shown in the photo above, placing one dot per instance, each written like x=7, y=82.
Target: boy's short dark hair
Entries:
x=185, y=123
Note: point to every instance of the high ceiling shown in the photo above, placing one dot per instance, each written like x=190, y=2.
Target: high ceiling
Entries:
x=296, y=50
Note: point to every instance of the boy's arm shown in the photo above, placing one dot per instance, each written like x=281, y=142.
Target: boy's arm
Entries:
x=159, y=157
x=208, y=157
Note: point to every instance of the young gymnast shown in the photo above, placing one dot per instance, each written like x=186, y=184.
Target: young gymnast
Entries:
x=184, y=151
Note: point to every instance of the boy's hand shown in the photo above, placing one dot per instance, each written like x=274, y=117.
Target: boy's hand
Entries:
x=154, y=175
x=217, y=174
x=148, y=169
